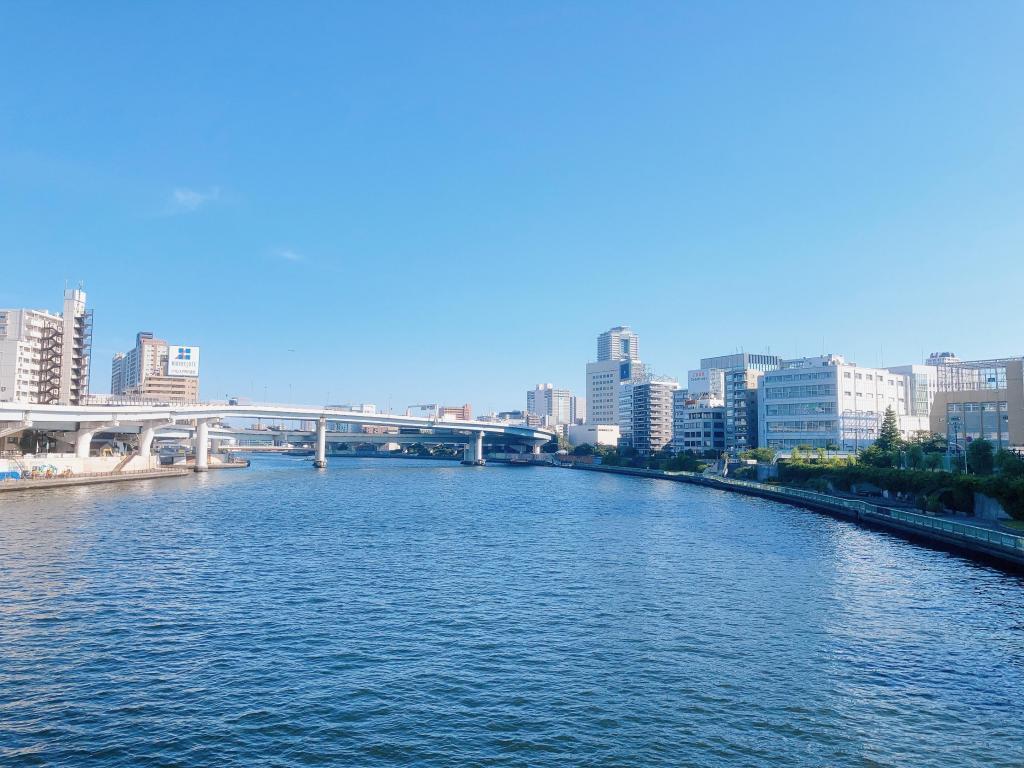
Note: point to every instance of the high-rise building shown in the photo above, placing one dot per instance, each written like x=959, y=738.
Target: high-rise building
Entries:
x=553, y=406
x=603, y=379
x=44, y=357
x=618, y=343
x=826, y=402
x=738, y=375
x=645, y=413
x=156, y=370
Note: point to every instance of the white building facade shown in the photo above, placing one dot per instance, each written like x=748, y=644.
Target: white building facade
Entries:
x=551, y=405
x=826, y=402
x=45, y=357
x=603, y=380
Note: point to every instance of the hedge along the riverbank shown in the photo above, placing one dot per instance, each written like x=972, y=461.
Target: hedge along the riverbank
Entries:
x=954, y=491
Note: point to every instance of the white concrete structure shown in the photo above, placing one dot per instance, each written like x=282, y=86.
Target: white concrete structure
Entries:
x=84, y=422
x=826, y=402
x=922, y=384
x=44, y=357
x=593, y=434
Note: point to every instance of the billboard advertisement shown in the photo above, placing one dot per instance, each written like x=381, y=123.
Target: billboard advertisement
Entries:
x=182, y=361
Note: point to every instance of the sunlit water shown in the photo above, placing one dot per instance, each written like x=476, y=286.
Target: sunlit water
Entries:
x=423, y=613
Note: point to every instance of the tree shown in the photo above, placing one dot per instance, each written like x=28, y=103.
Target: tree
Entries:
x=915, y=456
x=981, y=457
x=933, y=461
x=766, y=455
x=889, y=438
x=586, y=449
x=1009, y=463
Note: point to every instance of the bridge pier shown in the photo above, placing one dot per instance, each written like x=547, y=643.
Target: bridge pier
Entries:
x=84, y=436
x=474, y=454
x=320, y=462
x=202, y=446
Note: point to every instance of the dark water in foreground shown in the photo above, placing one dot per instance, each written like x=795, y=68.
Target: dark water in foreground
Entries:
x=414, y=613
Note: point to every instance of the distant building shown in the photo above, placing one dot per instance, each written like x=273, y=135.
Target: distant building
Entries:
x=44, y=357
x=593, y=434
x=603, y=380
x=698, y=423
x=619, y=343
x=740, y=374
x=156, y=370
x=552, y=406
x=922, y=383
x=980, y=399
x=455, y=412
x=645, y=414
x=826, y=402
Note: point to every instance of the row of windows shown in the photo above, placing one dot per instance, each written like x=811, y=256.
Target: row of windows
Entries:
x=806, y=390
x=823, y=425
x=801, y=409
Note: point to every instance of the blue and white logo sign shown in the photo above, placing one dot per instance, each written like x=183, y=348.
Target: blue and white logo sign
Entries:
x=182, y=361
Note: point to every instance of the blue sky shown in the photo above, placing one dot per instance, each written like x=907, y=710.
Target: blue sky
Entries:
x=411, y=202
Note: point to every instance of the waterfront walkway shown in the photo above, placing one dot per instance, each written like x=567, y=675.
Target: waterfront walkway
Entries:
x=987, y=541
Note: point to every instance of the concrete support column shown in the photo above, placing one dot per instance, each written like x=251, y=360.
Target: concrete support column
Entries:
x=146, y=441
x=202, y=446
x=535, y=450
x=320, y=462
x=474, y=454
x=83, y=440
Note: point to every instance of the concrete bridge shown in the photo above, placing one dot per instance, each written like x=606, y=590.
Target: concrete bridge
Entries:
x=83, y=423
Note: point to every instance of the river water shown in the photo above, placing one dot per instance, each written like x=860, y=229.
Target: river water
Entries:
x=389, y=612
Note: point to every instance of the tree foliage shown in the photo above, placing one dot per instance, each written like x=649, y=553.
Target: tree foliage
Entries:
x=981, y=457
x=889, y=438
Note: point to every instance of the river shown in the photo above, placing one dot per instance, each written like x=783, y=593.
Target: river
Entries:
x=393, y=612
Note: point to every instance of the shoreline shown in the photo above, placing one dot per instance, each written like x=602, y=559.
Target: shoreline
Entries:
x=985, y=544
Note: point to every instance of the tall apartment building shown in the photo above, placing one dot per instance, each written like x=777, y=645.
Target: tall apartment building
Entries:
x=739, y=374
x=618, y=360
x=156, y=370
x=980, y=399
x=826, y=402
x=645, y=414
x=44, y=357
x=552, y=406
x=618, y=343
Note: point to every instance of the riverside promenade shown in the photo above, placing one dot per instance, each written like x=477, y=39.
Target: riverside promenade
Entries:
x=981, y=542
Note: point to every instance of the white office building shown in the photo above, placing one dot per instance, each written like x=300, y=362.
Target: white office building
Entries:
x=603, y=379
x=44, y=357
x=826, y=402
x=551, y=405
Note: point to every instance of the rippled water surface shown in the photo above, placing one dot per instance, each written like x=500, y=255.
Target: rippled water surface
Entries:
x=422, y=613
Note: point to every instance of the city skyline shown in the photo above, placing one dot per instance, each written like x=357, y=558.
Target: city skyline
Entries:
x=802, y=181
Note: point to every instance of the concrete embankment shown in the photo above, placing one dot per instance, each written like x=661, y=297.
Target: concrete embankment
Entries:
x=980, y=542
x=97, y=479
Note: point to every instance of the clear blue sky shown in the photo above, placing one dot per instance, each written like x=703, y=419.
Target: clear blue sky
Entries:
x=448, y=201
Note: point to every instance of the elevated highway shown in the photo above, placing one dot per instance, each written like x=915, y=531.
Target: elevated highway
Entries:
x=84, y=422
